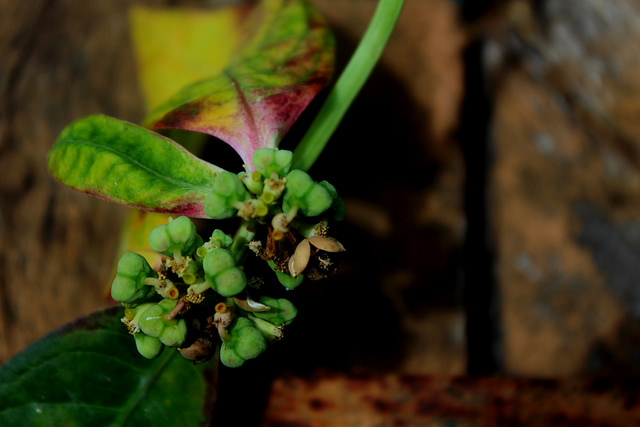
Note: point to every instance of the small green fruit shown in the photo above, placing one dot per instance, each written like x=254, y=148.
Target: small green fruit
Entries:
x=174, y=333
x=229, y=357
x=217, y=260
x=268, y=161
x=147, y=346
x=337, y=205
x=249, y=342
x=179, y=235
x=230, y=282
x=245, y=342
x=312, y=199
x=154, y=322
x=128, y=286
x=221, y=271
x=227, y=190
x=299, y=183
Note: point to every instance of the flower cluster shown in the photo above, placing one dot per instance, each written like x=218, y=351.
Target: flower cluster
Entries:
x=207, y=294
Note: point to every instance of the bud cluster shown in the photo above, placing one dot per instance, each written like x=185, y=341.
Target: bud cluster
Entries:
x=207, y=294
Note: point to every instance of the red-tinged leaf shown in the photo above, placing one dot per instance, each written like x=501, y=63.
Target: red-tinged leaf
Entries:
x=285, y=59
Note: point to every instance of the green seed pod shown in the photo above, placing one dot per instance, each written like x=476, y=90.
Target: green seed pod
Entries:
x=269, y=161
x=147, y=346
x=282, y=311
x=249, y=341
x=230, y=282
x=301, y=191
x=221, y=271
x=245, y=342
x=174, y=334
x=316, y=201
x=128, y=286
x=299, y=183
x=226, y=192
x=216, y=261
x=155, y=323
x=229, y=357
x=179, y=235
x=337, y=205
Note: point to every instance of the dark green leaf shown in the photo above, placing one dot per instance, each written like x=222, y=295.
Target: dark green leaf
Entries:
x=90, y=374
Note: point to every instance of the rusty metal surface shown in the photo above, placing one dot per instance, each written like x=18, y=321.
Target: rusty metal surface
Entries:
x=430, y=401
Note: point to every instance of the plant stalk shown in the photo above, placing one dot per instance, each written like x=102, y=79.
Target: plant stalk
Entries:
x=348, y=84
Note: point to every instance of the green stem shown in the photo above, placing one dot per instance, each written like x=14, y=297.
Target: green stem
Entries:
x=241, y=240
x=348, y=84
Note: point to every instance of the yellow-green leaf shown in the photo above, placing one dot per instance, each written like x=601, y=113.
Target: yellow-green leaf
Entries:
x=175, y=47
x=128, y=164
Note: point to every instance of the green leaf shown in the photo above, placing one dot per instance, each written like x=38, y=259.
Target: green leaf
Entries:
x=284, y=59
x=125, y=163
x=89, y=373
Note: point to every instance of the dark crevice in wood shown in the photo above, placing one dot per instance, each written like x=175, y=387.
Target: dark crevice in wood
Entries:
x=481, y=297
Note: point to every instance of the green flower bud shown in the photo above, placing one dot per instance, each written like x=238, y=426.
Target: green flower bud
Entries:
x=147, y=346
x=177, y=236
x=221, y=271
x=282, y=311
x=245, y=342
x=312, y=199
x=128, y=286
x=226, y=192
x=155, y=323
x=269, y=161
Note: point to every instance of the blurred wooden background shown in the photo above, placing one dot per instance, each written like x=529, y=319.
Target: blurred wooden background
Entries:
x=491, y=170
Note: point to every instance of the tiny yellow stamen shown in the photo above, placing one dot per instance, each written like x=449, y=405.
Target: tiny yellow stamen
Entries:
x=221, y=307
x=194, y=298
